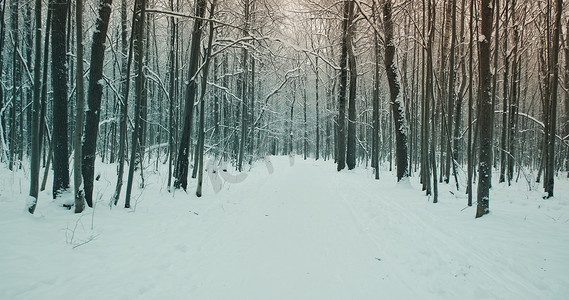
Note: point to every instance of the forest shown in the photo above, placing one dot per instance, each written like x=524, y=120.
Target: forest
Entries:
x=447, y=91
x=284, y=149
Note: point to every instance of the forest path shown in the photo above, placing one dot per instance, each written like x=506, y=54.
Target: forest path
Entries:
x=305, y=231
x=295, y=236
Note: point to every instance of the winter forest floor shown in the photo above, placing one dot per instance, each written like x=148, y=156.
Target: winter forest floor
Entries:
x=303, y=232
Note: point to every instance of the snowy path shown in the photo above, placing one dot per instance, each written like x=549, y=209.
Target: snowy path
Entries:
x=296, y=238
x=304, y=232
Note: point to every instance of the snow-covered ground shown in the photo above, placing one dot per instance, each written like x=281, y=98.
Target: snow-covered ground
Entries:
x=303, y=232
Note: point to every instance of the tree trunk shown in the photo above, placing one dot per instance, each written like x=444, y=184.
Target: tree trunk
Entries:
x=375, y=106
x=201, y=131
x=2, y=121
x=59, y=83
x=16, y=82
x=397, y=104
x=139, y=84
x=566, y=98
x=514, y=98
x=451, y=92
x=469, y=153
x=244, y=77
x=80, y=109
x=94, y=96
x=351, y=142
x=341, y=135
x=126, y=66
x=36, y=151
x=504, y=137
x=486, y=110
x=554, y=71
x=182, y=164
x=172, y=93
x=317, y=151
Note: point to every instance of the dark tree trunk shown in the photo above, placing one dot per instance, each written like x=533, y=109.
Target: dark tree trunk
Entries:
x=244, y=77
x=486, y=110
x=201, y=131
x=36, y=151
x=554, y=71
x=80, y=107
x=397, y=104
x=139, y=84
x=2, y=35
x=305, y=125
x=172, y=93
x=95, y=93
x=126, y=65
x=451, y=94
x=513, y=114
x=317, y=151
x=182, y=164
x=351, y=142
x=59, y=83
x=341, y=134
x=16, y=82
x=566, y=98
x=504, y=135
x=375, y=113
x=469, y=153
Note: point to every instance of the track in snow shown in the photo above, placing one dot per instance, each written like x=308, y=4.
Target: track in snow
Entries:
x=302, y=232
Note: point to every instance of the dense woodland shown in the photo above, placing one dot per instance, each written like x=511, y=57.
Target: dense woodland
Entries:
x=449, y=91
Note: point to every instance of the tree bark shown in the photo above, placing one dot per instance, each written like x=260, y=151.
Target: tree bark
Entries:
x=351, y=141
x=201, y=131
x=126, y=66
x=95, y=93
x=486, y=110
x=554, y=71
x=397, y=105
x=244, y=77
x=59, y=83
x=139, y=84
x=16, y=82
x=36, y=151
x=375, y=105
x=79, y=109
x=182, y=164
x=341, y=134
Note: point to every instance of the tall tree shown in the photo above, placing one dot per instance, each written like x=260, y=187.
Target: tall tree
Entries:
x=375, y=105
x=351, y=141
x=397, y=105
x=182, y=164
x=172, y=91
x=126, y=66
x=554, y=73
x=138, y=33
x=79, y=108
x=36, y=151
x=59, y=82
x=486, y=109
x=201, y=131
x=94, y=96
x=244, y=78
x=469, y=147
x=341, y=134
x=16, y=81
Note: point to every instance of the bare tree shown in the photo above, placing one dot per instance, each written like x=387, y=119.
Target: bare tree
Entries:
x=80, y=107
x=182, y=164
x=397, y=105
x=95, y=93
x=59, y=74
x=486, y=109
x=35, y=153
